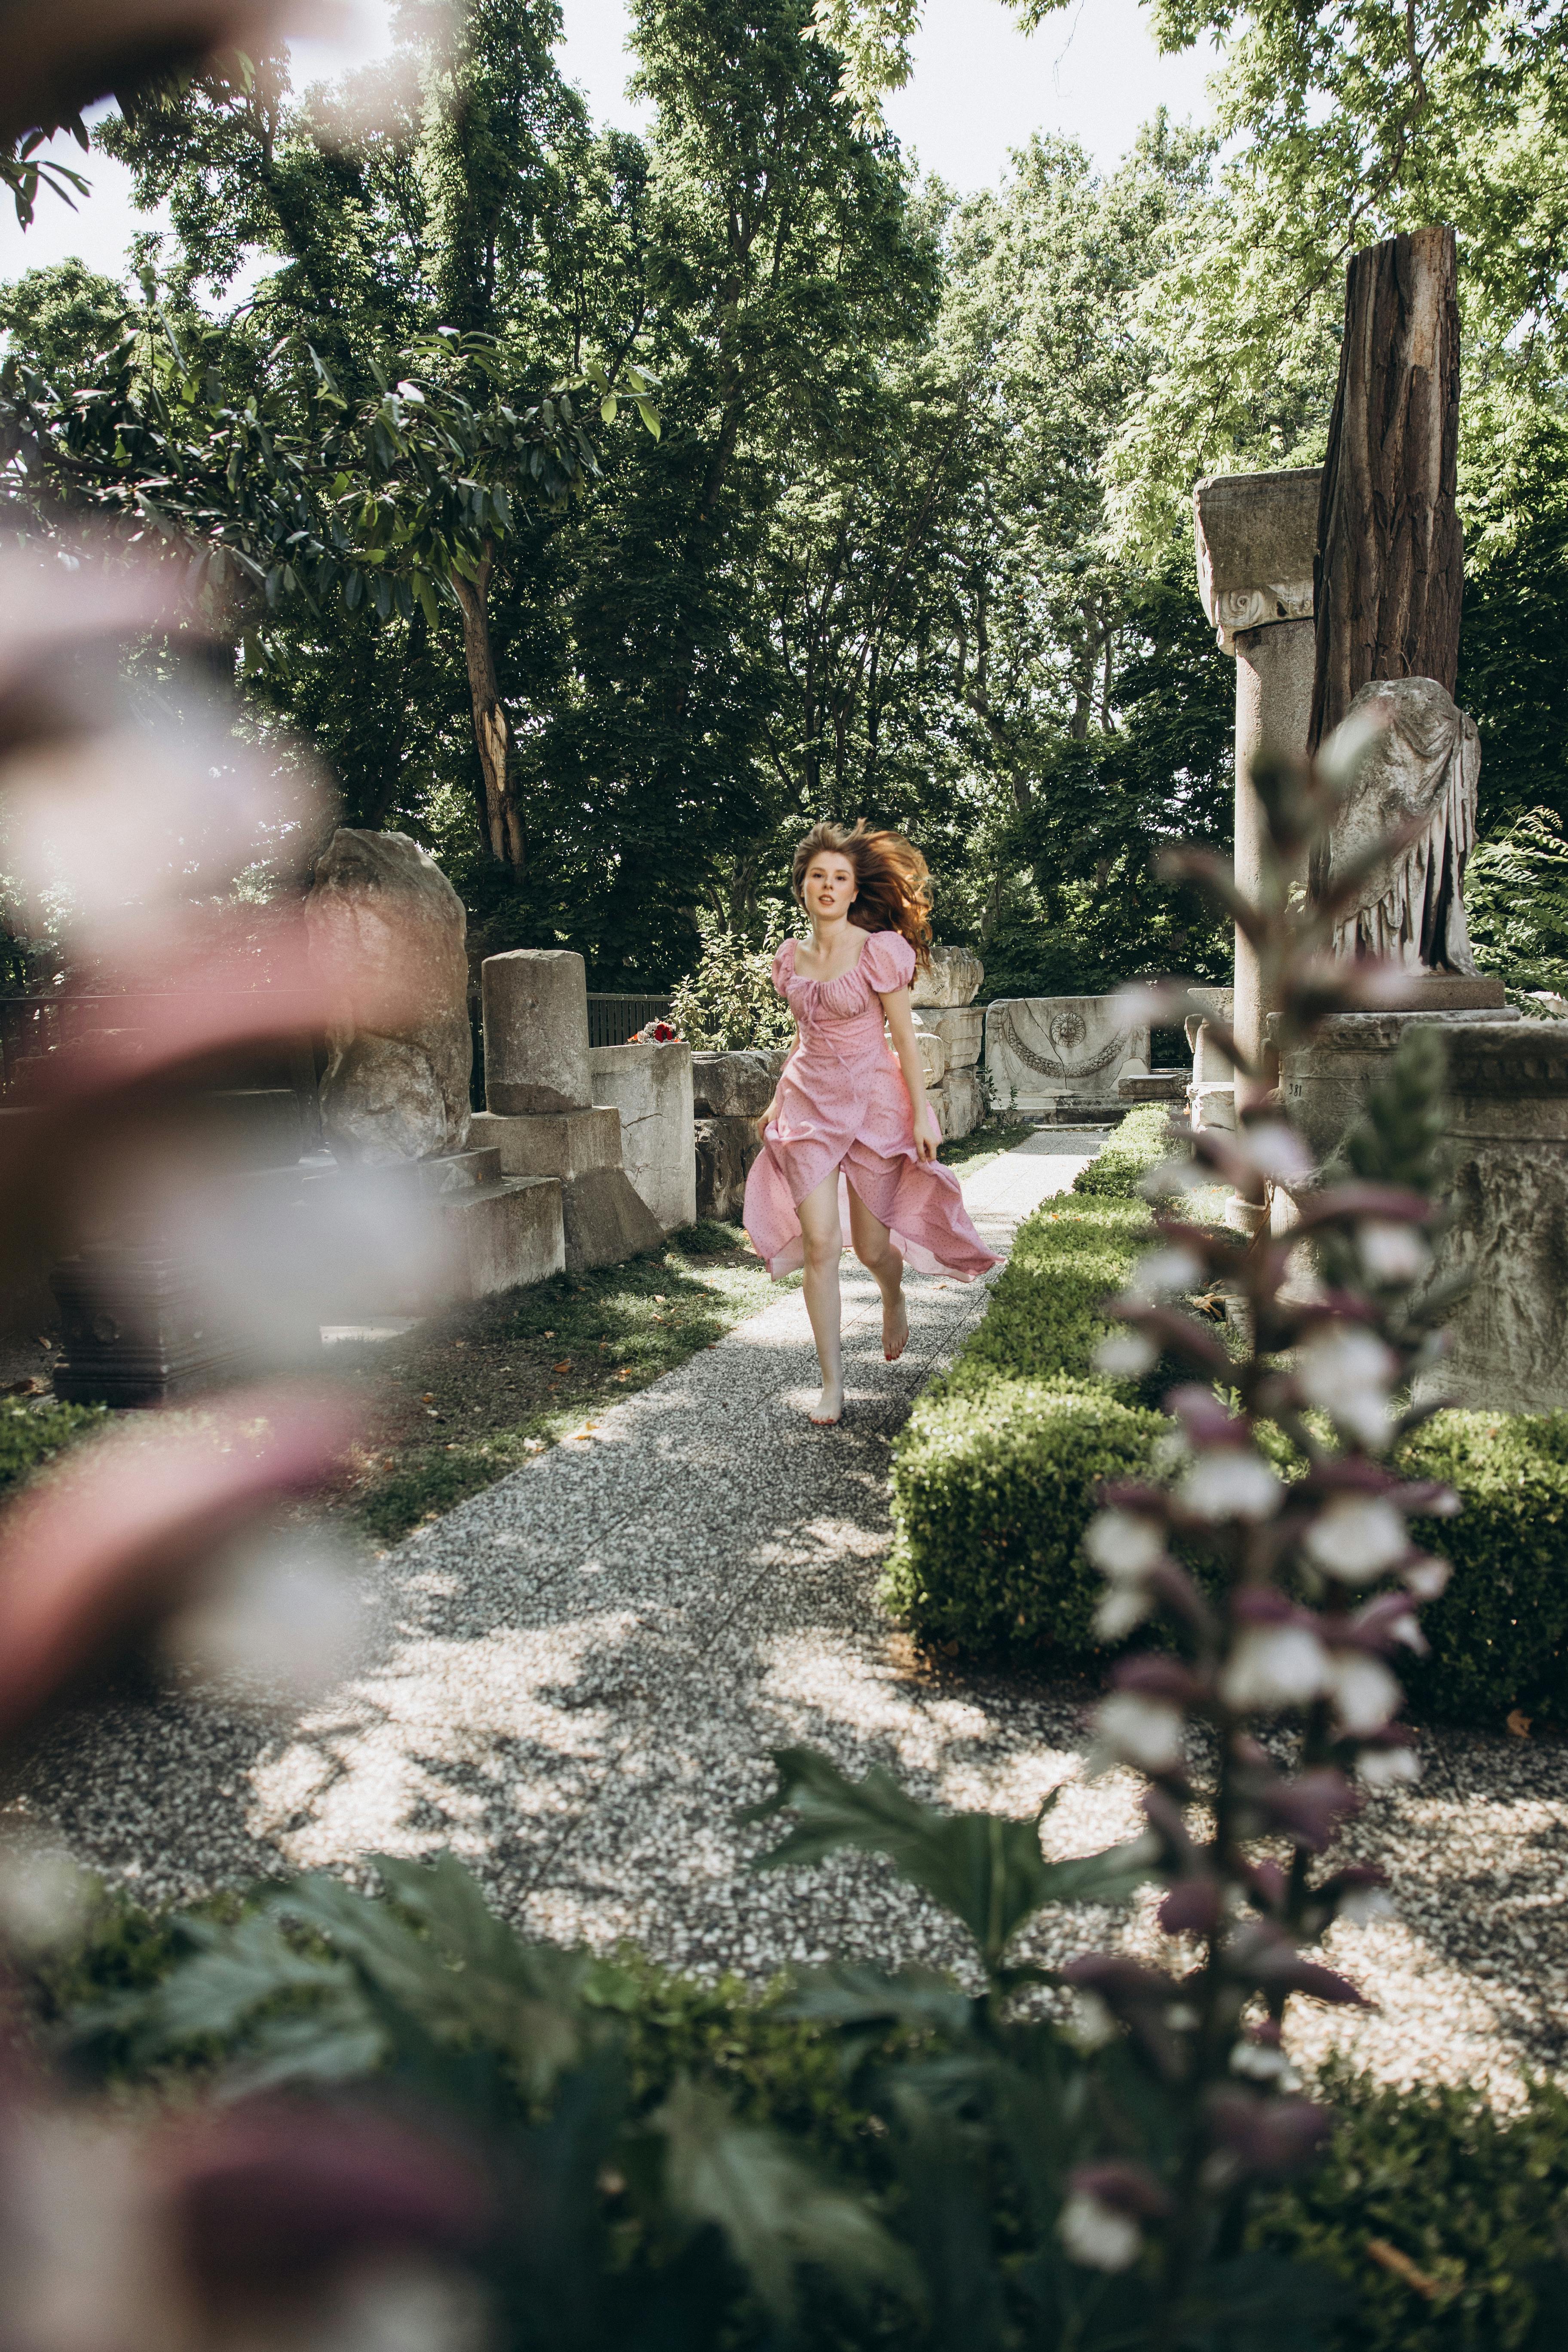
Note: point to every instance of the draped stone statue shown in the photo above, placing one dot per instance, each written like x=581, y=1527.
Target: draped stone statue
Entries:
x=1425, y=767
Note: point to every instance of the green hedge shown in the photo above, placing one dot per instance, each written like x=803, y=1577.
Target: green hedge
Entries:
x=1473, y=2201
x=992, y=1492
x=994, y=1476
x=993, y=1479
x=1499, y=1634
x=1140, y=1143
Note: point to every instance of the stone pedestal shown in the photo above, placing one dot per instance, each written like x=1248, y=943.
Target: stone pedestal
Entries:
x=1211, y=1089
x=492, y=1232
x=1058, y=1058
x=565, y=1144
x=650, y=1086
x=536, y=1032
x=1508, y=1135
x=138, y=1329
x=1256, y=537
x=538, y=1116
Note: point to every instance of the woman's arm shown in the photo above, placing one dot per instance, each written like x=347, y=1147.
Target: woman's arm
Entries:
x=901, y=1025
x=772, y=1112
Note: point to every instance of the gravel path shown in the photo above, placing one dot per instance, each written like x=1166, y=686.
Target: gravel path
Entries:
x=575, y=1676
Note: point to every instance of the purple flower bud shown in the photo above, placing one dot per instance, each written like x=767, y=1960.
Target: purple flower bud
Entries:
x=1206, y=1420
x=1310, y=1808
x=1270, y=2138
x=1358, y=1894
x=1386, y=1623
x=1126, y=2187
x=1192, y=1907
x=277, y=2187
x=1261, y=1954
x=1164, y=1679
x=1427, y=1578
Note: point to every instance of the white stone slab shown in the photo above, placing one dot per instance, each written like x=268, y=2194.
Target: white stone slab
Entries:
x=1046, y=1056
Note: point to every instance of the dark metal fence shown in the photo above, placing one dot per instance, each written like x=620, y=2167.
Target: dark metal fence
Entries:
x=613, y=1019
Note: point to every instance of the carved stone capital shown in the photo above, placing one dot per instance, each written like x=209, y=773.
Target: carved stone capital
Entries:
x=1256, y=536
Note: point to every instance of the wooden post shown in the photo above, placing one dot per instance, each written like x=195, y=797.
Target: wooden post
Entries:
x=1389, y=572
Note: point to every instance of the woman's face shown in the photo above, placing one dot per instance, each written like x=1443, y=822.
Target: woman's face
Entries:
x=828, y=888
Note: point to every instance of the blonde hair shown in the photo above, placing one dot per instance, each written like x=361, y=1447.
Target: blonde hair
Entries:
x=892, y=882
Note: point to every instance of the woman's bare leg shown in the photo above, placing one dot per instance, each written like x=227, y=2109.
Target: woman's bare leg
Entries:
x=818, y=1215
x=873, y=1245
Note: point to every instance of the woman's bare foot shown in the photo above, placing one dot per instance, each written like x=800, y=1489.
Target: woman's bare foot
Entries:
x=895, y=1328
x=828, y=1410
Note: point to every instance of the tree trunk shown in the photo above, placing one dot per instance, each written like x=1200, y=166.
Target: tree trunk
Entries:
x=379, y=803
x=1389, y=571
x=503, y=818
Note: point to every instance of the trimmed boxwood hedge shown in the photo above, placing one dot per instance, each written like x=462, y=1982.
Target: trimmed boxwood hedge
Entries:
x=1140, y=1143
x=1499, y=1634
x=1472, y=2200
x=994, y=1480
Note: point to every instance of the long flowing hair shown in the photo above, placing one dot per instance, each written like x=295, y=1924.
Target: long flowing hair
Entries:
x=892, y=882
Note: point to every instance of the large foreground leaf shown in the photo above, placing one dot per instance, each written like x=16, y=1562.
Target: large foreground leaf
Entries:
x=989, y=1870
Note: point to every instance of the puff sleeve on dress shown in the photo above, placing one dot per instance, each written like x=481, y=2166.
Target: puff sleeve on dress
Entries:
x=887, y=962
x=842, y=1104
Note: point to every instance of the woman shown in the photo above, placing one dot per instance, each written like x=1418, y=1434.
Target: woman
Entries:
x=848, y=1115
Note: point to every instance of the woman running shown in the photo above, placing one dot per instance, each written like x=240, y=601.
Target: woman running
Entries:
x=849, y=1118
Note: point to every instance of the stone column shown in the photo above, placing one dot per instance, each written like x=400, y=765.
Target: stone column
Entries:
x=1256, y=536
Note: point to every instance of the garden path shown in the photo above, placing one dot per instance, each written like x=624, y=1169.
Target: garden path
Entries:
x=575, y=1676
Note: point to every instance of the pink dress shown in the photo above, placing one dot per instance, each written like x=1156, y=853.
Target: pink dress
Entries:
x=843, y=1102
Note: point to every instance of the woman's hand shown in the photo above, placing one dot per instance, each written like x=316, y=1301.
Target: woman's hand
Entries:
x=768, y=1116
x=928, y=1134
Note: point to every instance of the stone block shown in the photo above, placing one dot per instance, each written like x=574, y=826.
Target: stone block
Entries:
x=1256, y=536
x=932, y=1053
x=504, y=1233
x=960, y=1103
x=953, y=977
x=960, y=1027
x=536, y=1032
x=1054, y=1056
x=731, y=1085
x=387, y=927
x=1152, y=1087
x=1506, y=1135
x=650, y=1086
x=606, y=1220
x=563, y=1143
x=725, y=1150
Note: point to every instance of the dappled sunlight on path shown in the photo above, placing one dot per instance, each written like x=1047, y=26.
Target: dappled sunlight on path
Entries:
x=574, y=1680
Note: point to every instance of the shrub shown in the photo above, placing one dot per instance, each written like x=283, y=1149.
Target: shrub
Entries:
x=1499, y=1634
x=994, y=1475
x=993, y=1481
x=1139, y=1144
x=728, y=1003
x=1432, y=2179
x=992, y=1491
